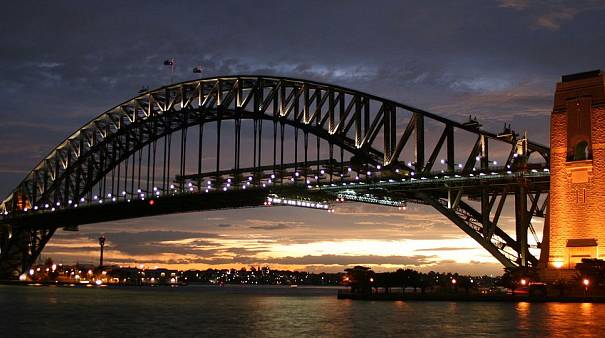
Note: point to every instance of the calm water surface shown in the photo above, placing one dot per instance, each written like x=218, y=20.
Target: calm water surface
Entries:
x=202, y=311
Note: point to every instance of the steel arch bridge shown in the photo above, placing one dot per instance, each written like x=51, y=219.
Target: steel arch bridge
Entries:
x=304, y=143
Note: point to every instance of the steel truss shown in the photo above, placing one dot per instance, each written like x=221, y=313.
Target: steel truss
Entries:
x=104, y=160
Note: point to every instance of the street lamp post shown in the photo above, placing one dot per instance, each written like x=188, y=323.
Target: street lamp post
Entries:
x=102, y=244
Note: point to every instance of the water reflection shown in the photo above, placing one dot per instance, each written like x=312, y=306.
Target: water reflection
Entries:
x=278, y=312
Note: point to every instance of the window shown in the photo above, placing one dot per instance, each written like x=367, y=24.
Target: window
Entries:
x=580, y=152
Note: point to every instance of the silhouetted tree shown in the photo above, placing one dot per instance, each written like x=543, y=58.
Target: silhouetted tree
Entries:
x=591, y=269
x=359, y=279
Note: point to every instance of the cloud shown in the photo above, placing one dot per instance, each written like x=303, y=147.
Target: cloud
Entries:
x=445, y=248
x=279, y=226
x=552, y=14
x=352, y=260
x=224, y=225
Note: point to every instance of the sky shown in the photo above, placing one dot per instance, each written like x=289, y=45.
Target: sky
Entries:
x=64, y=62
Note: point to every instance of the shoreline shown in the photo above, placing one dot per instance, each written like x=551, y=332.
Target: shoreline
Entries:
x=471, y=298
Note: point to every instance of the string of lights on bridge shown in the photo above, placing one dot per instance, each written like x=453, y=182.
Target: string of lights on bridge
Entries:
x=362, y=178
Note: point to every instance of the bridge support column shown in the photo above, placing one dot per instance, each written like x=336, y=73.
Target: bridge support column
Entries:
x=521, y=222
x=574, y=226
x=20, y=248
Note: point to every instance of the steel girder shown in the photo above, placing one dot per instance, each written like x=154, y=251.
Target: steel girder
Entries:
x=368, y=127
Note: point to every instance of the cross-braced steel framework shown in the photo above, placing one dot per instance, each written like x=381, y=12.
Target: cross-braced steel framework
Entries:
x=298, y=137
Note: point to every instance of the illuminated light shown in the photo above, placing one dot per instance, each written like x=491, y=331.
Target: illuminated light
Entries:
x=113, y=199
x=191, y=189
x=190, y=184
x=244, y=187
x=109, y=195
x=157, y=193
x=171, y=186
x=206, y=190
x=228, y=185
x=368, y=173
x=292, y=179
x=454, y=281
x=585, y=282
x=128, y=200
x=54, y=267
x=478, y=158
x=69, y=202
x=546, y=170
x=558, y=264
x=459, y=165
x=98, y=282
x=151, y=202
x=95, y=197
x=412, y=173
x=23, y=277
x=409, y=164
x=35, y=207
x=442, y=161
x=249, y=178
x=495, y=163
x=272, y=175
x=224, y=188
x=371, y=280
x=53, y=209
x=379, y=167
x=46, y=206
x=123, y=193
x=523, y=282
x=296, y=174
x=31, y=272
x=322, y=171
x=82, y=200
x=58, y=203
x=229, y=180
x=308, y=182
x=357, y=177
x=397, y=171
x=264, y=185
x=509, y=172
x=316, y=177
x=75, y=205
x=269, y=181
x=25, y=209
x=139, y=190
x=349, y=169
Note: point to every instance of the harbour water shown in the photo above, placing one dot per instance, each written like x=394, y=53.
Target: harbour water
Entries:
x=231, y=311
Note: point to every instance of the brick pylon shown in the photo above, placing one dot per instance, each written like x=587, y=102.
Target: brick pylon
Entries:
x=575, y=223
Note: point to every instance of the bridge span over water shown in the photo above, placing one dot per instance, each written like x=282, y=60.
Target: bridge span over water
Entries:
x=248, y=141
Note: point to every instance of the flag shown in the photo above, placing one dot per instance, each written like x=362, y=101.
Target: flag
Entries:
x=197, y=69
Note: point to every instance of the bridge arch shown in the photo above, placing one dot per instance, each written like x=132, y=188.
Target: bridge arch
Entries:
x=375, y=132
